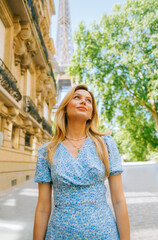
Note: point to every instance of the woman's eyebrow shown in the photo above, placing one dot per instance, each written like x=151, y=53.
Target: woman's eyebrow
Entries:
x=81, y=95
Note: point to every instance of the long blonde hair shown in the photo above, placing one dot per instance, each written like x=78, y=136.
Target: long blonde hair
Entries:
x=91, y=129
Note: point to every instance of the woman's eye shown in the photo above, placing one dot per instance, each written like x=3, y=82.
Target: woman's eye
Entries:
x=88, y=100
x=76, y=97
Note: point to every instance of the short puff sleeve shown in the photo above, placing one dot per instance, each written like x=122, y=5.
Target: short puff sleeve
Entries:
x=114, y=156
x=43, y=167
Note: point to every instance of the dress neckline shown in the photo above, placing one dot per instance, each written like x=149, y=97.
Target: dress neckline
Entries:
x=79, y=151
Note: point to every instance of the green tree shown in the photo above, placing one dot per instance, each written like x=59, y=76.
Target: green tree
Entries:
x=119, y=59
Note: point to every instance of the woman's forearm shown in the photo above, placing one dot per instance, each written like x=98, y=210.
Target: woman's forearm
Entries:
x=122, y=219
x=40, y=224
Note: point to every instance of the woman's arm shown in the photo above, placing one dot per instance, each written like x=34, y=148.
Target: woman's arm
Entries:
x=119, y=205
x=43, y=210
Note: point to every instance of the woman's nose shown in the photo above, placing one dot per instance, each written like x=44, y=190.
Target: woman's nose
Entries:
x=83, y=101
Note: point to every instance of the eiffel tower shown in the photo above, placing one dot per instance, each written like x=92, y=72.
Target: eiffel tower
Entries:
x=64, y=46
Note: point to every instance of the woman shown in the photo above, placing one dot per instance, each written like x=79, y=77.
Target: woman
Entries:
x=76, y=163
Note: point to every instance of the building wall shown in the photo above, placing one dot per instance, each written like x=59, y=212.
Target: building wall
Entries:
x=140, y=177
x=26, y=83
x=2, y=39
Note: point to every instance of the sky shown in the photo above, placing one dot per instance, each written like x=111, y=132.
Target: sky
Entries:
x=89, y=11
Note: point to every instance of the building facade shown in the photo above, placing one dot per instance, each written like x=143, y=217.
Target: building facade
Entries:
x=27, y=86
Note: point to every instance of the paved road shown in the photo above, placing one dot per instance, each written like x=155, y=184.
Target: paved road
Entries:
x=17, y=207
x=143, y=214
x=140, y=182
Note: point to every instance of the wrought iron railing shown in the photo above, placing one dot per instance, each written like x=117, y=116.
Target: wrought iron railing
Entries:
x=30, y=4
x=35, y=19
x=46, y=126
x=30, y=107
x=8, y=81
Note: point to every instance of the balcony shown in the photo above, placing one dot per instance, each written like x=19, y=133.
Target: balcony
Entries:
x=30, y=108
x=8, y=81
x=33, y=13
x=46, y=126
x=35, y=19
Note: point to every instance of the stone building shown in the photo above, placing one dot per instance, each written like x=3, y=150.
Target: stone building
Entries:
x=27, y=86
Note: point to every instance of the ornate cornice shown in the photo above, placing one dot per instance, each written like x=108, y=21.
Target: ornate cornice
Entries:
x=18, y=121
x=26, y=62
x=17, y=26
x=27, y=123
x=24, y=45
x=50, y=45
x=37, y=132
x=13, y=111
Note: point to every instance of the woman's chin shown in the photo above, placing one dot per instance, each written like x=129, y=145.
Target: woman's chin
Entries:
x=78, y=117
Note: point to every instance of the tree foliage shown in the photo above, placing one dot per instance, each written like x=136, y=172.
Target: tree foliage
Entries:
x=119, y=59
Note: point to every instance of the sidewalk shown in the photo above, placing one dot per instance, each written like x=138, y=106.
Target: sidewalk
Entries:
x=140, y=182
x=17, y=207
x=143, y=214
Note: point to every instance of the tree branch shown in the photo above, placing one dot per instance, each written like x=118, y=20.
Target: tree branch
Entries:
x=142, y=103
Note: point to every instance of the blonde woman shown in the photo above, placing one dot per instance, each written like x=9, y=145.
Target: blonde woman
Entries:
x=75, y=163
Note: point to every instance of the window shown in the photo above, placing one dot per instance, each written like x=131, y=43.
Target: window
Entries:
x=28, y=139
x=27, y=177
x=45, y=110
x=15, y=137
x=13, y=182
x=28, y=88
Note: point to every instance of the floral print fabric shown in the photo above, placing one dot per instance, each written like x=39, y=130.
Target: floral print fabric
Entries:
x=80, y=208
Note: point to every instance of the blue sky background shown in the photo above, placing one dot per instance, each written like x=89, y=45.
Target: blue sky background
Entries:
x=88, y=11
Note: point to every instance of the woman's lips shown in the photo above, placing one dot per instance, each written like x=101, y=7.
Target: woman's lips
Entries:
x=82, y=108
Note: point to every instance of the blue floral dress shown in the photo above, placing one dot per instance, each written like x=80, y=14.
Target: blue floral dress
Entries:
x=80, y=207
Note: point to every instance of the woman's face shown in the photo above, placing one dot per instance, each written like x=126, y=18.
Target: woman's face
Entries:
x=80, y=106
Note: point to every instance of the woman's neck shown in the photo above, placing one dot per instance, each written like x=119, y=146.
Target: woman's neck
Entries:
x=76, y=129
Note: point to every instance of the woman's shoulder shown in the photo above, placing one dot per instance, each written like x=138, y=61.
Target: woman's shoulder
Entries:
x=107, y=137
x=109, y=140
